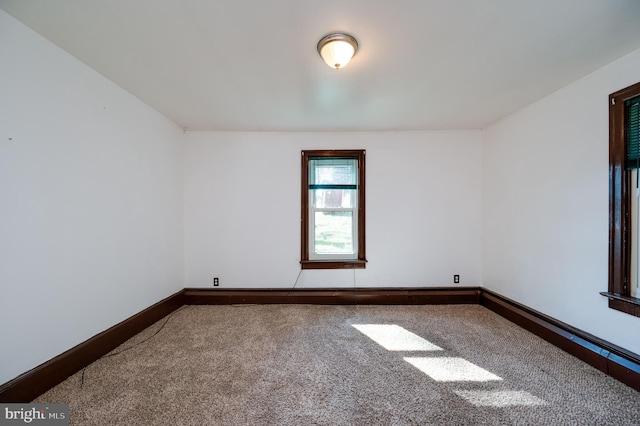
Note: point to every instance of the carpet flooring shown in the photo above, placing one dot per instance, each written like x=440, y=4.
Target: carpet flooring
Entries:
x=341, y=365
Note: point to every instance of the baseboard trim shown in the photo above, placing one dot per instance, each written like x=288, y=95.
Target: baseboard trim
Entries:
x=336, y=296
x=613, y=360
x=40, y=379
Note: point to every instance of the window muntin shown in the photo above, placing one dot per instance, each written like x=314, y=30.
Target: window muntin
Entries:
x=333, y=209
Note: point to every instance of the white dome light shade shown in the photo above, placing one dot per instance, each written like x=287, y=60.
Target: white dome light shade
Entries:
x=337, y=49
x=337, y=53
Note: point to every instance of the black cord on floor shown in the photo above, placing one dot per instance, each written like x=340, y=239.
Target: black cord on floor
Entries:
x=132, y=346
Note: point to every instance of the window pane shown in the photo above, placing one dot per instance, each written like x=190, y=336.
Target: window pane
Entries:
x=334, y=198
x=336, y=171
x=333, y=232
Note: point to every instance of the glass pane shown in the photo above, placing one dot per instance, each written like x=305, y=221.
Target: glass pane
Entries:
x=336, y=171
x=334, y=198
x=333, y=232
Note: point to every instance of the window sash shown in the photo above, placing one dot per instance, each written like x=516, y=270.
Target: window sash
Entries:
x=313, y=252
x=333, y=174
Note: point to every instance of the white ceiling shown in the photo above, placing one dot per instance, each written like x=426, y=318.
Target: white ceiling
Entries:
x=253, y=65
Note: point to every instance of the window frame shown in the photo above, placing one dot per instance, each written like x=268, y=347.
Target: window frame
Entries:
x=334, y=262
x=619, y=289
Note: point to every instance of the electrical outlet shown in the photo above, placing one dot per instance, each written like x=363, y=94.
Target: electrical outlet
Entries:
x=456, y=279
x=216, y=282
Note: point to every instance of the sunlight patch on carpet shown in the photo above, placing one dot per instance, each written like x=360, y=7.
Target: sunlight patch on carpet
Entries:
x=451, y=369
x=500, y=398
x=395, y=338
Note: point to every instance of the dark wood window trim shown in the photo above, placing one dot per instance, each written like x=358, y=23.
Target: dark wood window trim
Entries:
x=360, y=261
x=619, y=291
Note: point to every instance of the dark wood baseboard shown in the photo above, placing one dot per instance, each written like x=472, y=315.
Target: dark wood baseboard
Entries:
x=40, y=379
x=611, y=359
x=338, y=296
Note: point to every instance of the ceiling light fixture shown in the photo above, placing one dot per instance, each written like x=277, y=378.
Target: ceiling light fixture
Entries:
x=337, y=49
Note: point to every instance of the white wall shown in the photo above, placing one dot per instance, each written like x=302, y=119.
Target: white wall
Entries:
x=546, y=205
x=90, y=202
x=242, y=208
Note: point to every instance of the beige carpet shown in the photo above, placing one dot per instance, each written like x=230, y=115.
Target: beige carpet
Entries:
x=342, y=365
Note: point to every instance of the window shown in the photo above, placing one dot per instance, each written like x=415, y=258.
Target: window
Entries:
x=333, y=209
x=624, y=216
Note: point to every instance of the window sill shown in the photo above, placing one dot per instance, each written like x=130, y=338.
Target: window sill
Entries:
x=334, y=264
x=626, y=304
